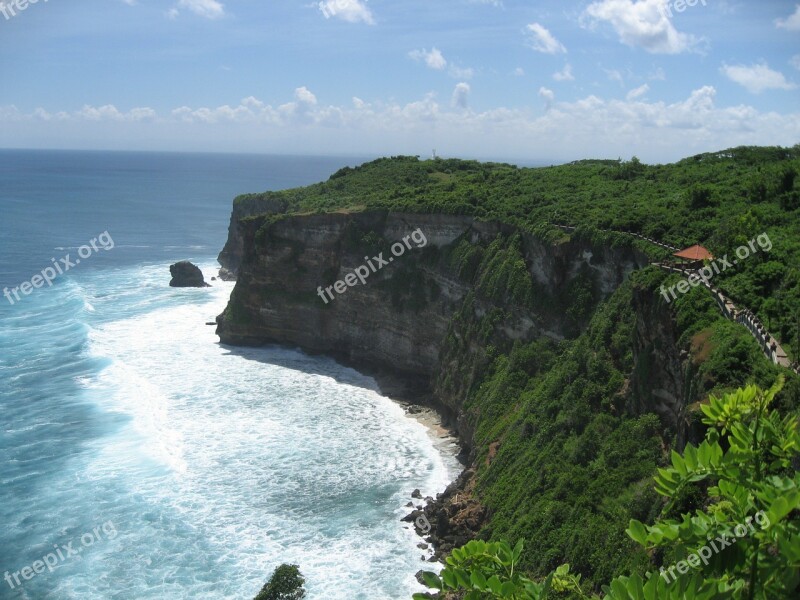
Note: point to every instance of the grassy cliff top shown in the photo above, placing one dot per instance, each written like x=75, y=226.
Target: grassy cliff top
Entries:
x=683, y=203
x=721, y=200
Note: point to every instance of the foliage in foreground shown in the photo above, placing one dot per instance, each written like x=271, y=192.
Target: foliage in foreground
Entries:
x=744, y=473
x=286, y=583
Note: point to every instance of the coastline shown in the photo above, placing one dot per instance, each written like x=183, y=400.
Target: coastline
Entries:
x=454, y=516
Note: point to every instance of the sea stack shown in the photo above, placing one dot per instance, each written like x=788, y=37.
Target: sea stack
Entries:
x=186, y=274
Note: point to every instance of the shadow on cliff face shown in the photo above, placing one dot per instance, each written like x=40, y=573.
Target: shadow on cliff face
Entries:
x=387, y=384
x=297, y=360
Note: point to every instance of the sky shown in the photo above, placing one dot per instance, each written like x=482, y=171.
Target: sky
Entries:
x=541, y=81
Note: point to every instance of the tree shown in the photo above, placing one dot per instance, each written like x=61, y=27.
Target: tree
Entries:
x=786, y=180
x=700, y=196
x=488, y=570
x=746, y=459
x=746, y=466
x=286, y=583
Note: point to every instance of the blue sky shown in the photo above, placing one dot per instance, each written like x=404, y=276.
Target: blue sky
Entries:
x=537, y=81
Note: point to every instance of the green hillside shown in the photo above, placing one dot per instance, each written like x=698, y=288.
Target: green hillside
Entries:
x=574, y=466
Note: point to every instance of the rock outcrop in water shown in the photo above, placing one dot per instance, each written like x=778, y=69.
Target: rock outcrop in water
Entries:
x=186, y=274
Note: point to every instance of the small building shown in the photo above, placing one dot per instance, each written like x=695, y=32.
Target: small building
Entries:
x=694, y=256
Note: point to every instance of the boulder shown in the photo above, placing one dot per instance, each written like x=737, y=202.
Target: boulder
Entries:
x=185, y=274
x=226, y=275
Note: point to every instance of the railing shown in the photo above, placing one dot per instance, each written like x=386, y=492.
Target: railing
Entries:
x=769, y=345
x=637, y=235
x=772, y=350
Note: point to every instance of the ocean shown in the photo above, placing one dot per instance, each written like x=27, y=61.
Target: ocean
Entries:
x=141, y=458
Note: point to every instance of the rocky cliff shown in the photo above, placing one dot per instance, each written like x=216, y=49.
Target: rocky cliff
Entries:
x=244, y=206
x=425, y=322
x=397, y=322
x=663, y=369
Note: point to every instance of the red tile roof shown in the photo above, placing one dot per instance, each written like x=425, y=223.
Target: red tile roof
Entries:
x=695, y=252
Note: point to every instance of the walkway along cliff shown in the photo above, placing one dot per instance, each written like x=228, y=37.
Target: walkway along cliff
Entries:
x=745, y=317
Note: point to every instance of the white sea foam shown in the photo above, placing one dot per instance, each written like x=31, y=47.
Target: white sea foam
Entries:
x=227, y=462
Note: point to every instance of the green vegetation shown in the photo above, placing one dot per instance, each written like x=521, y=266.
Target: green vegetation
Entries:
x=564, y=455
x=491, y=571
x=730, y=528
x=235, y=311
x=286, y=583
x=721, y=200
x=568, y=454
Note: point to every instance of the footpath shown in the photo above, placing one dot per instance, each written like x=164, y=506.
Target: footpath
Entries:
x=743, y=316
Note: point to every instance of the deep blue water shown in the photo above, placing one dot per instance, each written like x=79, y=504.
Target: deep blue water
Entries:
x=174, y=467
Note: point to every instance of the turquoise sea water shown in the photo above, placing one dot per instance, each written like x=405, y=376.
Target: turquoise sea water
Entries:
x=144, y=458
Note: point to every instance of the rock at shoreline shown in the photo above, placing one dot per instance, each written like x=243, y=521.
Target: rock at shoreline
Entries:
x=185, y=274
x=455, y=516
x=226, y=275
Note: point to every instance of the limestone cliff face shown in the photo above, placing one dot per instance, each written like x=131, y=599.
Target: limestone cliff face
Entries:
x=276, y=296
x=244, y=206
x=398, y=321
x=423, y=323
x=662, y=381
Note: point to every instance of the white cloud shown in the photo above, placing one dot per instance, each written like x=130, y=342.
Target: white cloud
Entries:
x=588, y=127
x=615, y=75
x=795, y=61
x=640, y=24
x=757, y=78
x=548, y=95
x=638, y=92
x=305, y=96
x=460, y=73
x=565, y=74
x=108, y=112
x=254, y=103
x=352, y=11
x=434, y=59
x=541, y=40
x=461, y=95
x=209, y=9
x=790, y=23
x=519, y=72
